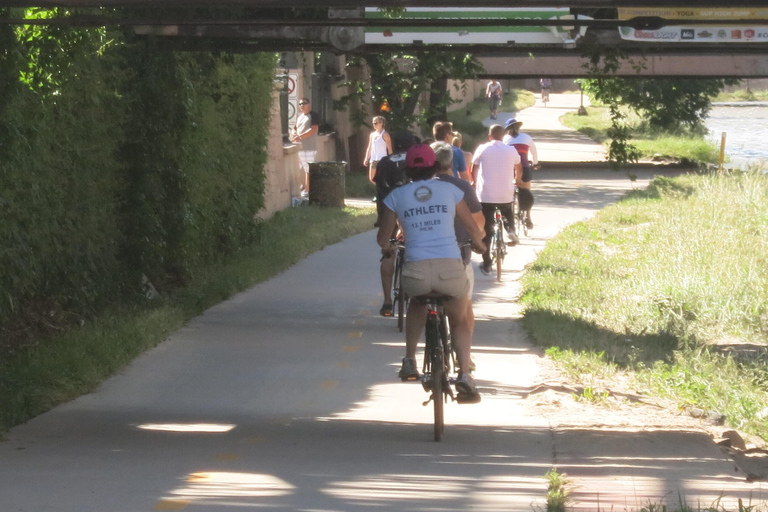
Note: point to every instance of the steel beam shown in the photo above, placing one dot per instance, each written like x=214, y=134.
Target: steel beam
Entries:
x=579, y=4
x=640, y=23
x=655, y=66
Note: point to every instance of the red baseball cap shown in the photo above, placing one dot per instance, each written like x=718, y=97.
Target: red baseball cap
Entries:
x=420, y=155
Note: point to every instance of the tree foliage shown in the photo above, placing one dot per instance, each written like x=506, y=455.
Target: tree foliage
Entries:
x=399, y=81
x=119, y=157
x=667, y=104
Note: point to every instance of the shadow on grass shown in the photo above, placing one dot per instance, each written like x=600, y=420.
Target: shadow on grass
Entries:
x=549, y=329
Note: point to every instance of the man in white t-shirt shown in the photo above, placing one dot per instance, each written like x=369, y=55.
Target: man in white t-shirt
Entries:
x=305, y=132
x=495, y=168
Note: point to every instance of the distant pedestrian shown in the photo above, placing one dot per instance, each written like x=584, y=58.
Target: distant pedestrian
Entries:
x=305, y=133
x=493, y=92
x=379, y=146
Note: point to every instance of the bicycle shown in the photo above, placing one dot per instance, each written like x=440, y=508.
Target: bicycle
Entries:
x=439, y=362
x=498, y=246
x=399, y=297
x=545, y=96
x=521, y=216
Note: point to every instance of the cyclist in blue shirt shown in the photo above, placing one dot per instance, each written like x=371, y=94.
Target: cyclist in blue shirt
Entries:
x=426, y=209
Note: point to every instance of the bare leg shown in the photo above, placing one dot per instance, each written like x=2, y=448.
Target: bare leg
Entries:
x=461, y=335
x=415, y=321
x=387, y=270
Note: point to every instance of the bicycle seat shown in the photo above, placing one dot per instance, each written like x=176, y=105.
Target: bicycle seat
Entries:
x=437, y=298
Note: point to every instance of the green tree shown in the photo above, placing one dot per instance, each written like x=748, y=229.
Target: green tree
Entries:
x=399, y=81
x=668, y=104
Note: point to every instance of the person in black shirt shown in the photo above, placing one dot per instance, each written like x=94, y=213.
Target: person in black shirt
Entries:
x=390, y=174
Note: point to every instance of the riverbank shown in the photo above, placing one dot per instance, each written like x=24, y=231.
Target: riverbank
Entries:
x=682, y=147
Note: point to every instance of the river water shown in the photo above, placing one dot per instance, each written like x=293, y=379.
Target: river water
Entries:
x=746, y=127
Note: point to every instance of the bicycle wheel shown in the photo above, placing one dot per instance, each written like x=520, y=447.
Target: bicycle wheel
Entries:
x=437, y=362
x=499, y=249
x=522, y=226
x=399, y=301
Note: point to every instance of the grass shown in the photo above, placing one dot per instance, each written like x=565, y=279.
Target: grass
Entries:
x=741, y=95
x=557, y=491
x=684, y=266
x=469, y=120
x=358, y=185
x=683, y=146
x=60, y=368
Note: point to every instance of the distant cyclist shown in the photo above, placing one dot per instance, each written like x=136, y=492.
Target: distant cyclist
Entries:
x=529, y=158
x=426, y=209
x=495, y=168
x=546, y=85
x=493, y=92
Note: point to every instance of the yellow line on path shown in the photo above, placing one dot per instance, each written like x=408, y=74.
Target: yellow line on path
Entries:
x=171, y=505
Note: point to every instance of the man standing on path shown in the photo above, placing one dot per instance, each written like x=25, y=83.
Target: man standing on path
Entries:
x=495, y=168
x=493, y=93
x=442, y=131
x=305, y=132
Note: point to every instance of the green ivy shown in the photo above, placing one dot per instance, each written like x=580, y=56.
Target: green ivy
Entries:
x=118, y=159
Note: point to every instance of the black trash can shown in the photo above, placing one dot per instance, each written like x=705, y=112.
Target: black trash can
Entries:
x=327, y=183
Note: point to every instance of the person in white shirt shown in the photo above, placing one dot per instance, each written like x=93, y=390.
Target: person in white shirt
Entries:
x=493, y=93
x=379, y=146
x=525, y=146
x=495, y=168
x=305, y=132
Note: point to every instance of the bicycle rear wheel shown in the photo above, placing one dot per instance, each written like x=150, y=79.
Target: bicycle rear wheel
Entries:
x=437, y=363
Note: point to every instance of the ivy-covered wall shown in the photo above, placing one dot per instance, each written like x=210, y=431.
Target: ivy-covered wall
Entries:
x=120, y=159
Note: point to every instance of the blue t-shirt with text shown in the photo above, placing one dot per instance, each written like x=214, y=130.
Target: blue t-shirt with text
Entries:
x=426, y=210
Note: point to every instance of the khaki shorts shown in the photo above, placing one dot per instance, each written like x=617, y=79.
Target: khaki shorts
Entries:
x=443, y=275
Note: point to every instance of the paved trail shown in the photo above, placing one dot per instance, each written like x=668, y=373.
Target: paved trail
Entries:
x=285, y=397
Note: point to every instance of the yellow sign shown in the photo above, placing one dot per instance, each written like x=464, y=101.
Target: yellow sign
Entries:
x=687, y=13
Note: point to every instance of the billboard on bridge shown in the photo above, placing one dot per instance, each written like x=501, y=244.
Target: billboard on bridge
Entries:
x=708, y=32
x=472, y=35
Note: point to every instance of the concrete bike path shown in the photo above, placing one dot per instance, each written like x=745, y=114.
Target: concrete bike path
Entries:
x=554, y=141
x=285, y=397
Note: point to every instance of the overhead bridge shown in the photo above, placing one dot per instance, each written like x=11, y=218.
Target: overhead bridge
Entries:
x=553, y=38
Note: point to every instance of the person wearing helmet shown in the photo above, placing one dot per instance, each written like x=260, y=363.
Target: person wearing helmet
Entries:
x=426, y=209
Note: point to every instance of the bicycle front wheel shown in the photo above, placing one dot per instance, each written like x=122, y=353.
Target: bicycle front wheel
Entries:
x=437, y=362
x=400, y=301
